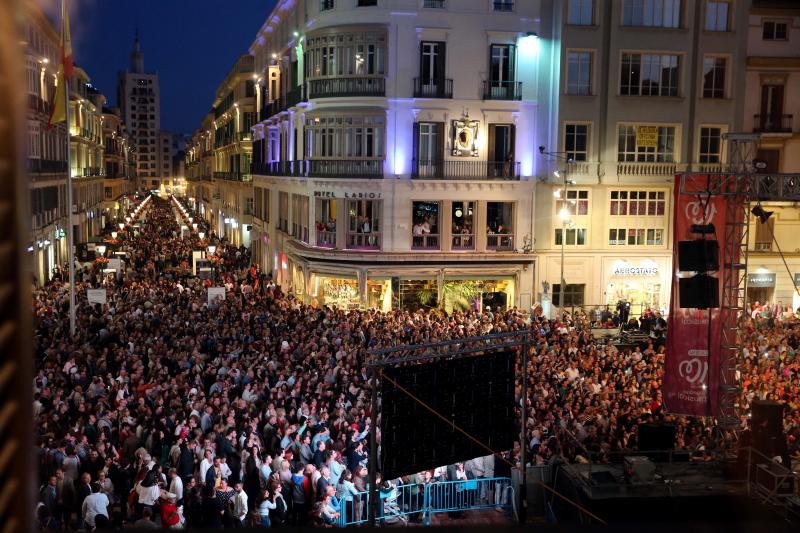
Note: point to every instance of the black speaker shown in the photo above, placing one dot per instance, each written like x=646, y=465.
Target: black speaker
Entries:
x=656, y=437
x=767, y=427
x=699, y=292
x=698, y=256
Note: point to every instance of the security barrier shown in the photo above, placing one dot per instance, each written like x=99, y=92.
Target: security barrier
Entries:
x=420, y=501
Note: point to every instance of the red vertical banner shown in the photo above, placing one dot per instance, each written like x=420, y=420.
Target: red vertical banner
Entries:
x=691, y=377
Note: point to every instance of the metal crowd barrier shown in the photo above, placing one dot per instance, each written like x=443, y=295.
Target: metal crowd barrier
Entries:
x=419, y=502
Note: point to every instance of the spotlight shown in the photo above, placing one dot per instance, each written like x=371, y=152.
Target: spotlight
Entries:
x=762, y=215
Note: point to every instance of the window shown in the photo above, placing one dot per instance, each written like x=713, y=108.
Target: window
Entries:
x=503, y=5
x=576, y=141
x=576, y=203
x=463, y=229
x=326, y=222
x=774, y=31
x=575, y=236
x=34, y=140
x=326, y=5
x=649, y=75
x=764, y=232
x=425, y=228
x=502, y=63
x=432, y=62
x=334, y=55
x=367, y=3
x=429, y=147
x=499, y=225
x=580, y=12
x=364, y=228
x=717, y=15
x=573, y=296
x=579, y=73
x=714, y=76
x=338, y=137
x=635, y=237
x=646, y=144
x=300, y=217
x=283, y=211
x=652, y=13
x=616, y=237
x=434, y=4
x=710, y=145
x=638, y=203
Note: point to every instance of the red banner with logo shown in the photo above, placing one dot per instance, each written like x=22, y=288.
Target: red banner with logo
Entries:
x=691, y=377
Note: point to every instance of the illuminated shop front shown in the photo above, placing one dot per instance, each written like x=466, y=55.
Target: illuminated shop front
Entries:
x=333, y=290
x=643, y=283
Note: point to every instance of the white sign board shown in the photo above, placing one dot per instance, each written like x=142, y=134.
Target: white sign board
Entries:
x=196, y=254
x=115, y=263
x=215, y=294
x=96, y=296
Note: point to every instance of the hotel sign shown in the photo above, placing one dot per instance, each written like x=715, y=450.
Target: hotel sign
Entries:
x=761, y=280
x=635, y=271
x=349, y=195
x=647, y=136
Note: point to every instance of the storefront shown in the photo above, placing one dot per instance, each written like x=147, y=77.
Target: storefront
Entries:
x=640, y=283
x=760, y=287
x=335, y=290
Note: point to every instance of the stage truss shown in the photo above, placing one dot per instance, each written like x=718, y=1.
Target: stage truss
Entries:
x=740, y=190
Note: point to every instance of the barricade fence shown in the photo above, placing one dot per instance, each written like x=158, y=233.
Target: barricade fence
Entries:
x=420, y=501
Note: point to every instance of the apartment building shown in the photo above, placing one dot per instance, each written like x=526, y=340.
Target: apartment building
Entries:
x=646, y=89
x=139, y=98
x=234, y=115
x=120, y=165
x=200, y=168
x=393, y=156
x=47, y=148
x=772, y=109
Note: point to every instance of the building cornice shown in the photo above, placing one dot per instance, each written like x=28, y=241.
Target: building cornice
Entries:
x=773, y=62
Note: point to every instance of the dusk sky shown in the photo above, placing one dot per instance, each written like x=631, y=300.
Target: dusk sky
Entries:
x=191, y=43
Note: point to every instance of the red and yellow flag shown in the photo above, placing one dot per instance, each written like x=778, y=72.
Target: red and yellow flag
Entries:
x=65, y=68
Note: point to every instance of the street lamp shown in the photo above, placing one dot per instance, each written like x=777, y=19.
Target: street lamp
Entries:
x=121, y=226
x=212, y=249
x=114, y=234
x=102, y=250
x=563, y=213
x=202, y=235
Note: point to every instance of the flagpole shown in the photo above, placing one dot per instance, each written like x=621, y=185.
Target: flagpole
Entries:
x=70, y=236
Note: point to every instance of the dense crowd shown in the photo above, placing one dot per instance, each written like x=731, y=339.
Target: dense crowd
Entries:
x=166, y=411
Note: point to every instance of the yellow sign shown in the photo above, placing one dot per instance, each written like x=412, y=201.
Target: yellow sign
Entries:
x=647, y=136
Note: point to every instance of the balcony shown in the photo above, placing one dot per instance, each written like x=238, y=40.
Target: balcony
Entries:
x=500, y=242
x=294, y=97
x=326, y=239
x=233, y=176
x=428, y=241
x=455, y=169
x=37, y=104
x=502, y=90
x=648, y=169
x=46, y=166
x=322, y=168
x=341, y=87
x=772, y=123
x=363, y=241
x=463, y=241
x=88, y=172
x=433, y=88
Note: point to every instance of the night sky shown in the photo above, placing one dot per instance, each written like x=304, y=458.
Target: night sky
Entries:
x=190, y=43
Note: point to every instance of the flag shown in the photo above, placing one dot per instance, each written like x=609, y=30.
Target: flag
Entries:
x=65, y=68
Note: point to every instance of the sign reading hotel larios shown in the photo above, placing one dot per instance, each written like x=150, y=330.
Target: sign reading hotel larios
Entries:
x=349, y=195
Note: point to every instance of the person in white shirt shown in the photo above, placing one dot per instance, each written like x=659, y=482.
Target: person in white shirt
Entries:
x=176, y=486
x=205, y=464
x=93, y=505
x=240, y=504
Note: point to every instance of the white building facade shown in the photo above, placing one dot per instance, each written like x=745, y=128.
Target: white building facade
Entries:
x=393, y=159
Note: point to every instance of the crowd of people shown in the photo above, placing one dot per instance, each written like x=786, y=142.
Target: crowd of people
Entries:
x=165, y=410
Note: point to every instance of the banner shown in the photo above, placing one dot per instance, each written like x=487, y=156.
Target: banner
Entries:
x=691, y=377
x=96, y=296
x=215, y=294
x=647, y=136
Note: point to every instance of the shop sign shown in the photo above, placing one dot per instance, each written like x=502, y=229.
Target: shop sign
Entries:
x=635, y=271
x=647, y=136
x=761, y=280
x=349, y=195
